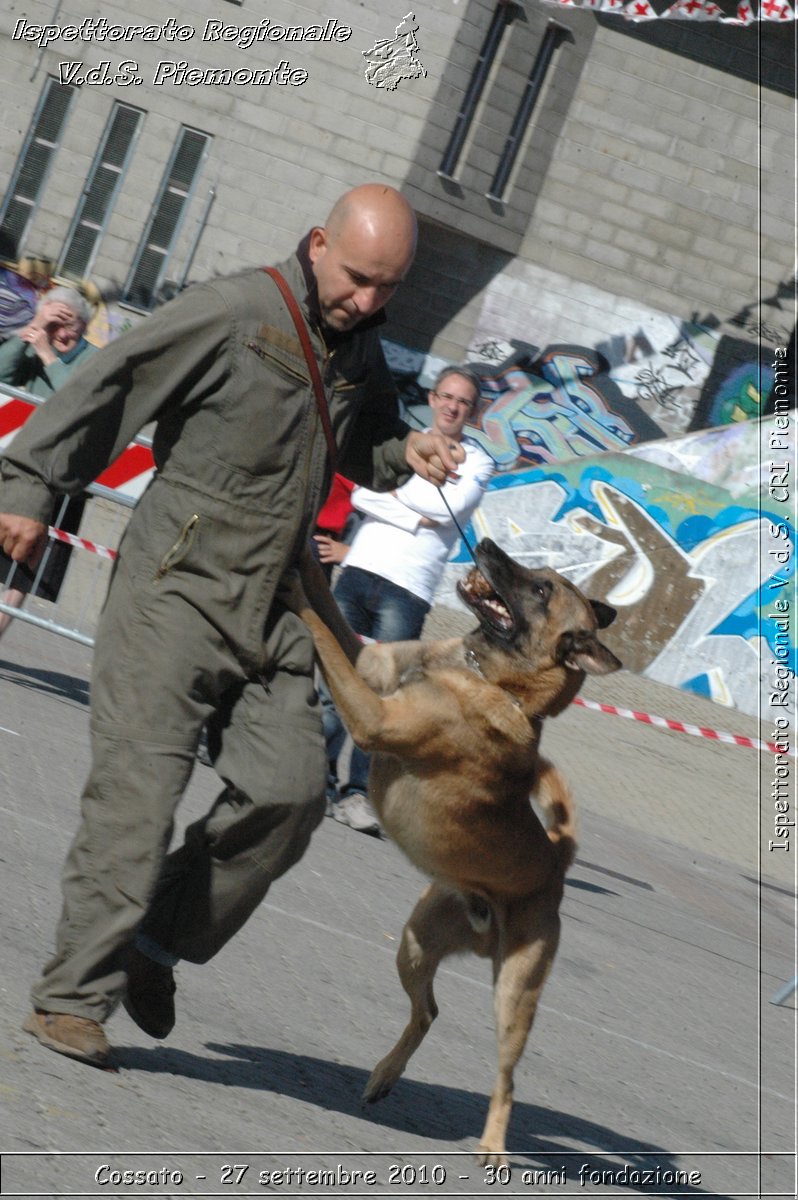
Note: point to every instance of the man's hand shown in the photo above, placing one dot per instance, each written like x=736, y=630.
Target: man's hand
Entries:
x=433, y=456
x=22, y=538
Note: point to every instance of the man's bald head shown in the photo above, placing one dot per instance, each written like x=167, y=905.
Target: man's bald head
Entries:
x=381, y=210
x=362, y=253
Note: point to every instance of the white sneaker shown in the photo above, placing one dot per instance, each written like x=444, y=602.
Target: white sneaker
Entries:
x=355, y=811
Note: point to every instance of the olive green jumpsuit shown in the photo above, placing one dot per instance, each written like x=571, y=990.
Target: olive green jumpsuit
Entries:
x=192, y=631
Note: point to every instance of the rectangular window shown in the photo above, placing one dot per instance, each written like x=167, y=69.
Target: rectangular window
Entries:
x=100, y=192
x=155, y=249
x=503, y=16
x=33, y=166
x=554, y=36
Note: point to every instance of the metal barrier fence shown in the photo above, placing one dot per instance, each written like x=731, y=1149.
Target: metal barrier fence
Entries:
x=74, y=612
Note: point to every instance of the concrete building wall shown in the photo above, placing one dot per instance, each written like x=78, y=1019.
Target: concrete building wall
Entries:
x=280, y=154
x=642, y=173
x=645, y=177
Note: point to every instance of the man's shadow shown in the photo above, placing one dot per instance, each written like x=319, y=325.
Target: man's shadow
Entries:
x=428, y=1110
x=50, y=683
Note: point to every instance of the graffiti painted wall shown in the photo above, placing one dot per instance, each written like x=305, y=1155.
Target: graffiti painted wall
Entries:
x=675, y=537
x=682, y=372
x=679, y=555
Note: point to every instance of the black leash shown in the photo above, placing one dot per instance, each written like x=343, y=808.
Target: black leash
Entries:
x=460, y=529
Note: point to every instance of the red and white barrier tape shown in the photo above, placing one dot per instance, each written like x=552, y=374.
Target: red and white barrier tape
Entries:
x=731, y=739
x=72, y=540
x=715, y=735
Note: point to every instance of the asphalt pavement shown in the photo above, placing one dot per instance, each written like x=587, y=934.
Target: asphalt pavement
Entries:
x=657, y=1063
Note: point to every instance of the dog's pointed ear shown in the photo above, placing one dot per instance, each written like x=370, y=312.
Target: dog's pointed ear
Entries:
x=605, y=614
x=584, y=652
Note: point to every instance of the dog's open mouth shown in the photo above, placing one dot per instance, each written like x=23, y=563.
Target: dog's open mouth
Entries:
x=478, y=593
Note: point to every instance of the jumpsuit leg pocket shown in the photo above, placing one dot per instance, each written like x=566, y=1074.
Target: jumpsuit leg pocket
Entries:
x=180, y=549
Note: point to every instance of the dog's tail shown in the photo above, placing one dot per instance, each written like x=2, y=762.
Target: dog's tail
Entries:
x=554, y=797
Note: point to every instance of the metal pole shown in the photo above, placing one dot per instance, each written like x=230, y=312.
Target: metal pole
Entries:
x=203, y=221
x=40, y=55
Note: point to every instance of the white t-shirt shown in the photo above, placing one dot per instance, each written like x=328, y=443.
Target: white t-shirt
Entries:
x=392, y=543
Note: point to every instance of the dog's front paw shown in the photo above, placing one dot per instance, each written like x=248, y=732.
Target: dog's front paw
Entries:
x=376, y=665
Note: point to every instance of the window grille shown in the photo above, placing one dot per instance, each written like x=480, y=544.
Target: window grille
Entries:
x=33, y=166
x=485, y=73
x=99, y=194
x=503, y=15
x=177, y=186
x=555, y=34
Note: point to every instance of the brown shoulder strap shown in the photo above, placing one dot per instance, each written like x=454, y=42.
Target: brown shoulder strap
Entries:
x=313, y=366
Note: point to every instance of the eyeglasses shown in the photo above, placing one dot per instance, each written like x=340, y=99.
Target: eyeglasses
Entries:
x=451, y=398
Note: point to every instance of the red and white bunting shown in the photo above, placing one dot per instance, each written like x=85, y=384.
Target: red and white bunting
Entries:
x=745, y=15
x=715, y=735
x=775, y=10
x=694, y=10
x=639, y=10
x=71, y=539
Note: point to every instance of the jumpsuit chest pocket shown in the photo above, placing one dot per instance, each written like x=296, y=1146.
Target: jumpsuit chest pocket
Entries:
x=181, y=547
x=290, y=365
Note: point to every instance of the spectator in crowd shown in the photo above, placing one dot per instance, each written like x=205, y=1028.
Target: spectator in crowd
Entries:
x=39, y=359
x=194, y=630
x=335, y=525
x=392, y=568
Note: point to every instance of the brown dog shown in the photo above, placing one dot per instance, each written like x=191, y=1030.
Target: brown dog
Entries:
x=454, y=728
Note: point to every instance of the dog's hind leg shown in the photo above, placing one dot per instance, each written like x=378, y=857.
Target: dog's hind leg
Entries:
x=529, y=932
x=438, y=926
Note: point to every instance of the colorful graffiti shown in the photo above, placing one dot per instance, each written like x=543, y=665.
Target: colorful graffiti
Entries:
x=679, y=556
x=692, y=371
x=18, y=297
x=632, y=463
x=657, y=378
x=574, y=400
x=560, y=405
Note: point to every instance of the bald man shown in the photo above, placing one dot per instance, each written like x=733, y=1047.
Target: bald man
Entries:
x=193, y=631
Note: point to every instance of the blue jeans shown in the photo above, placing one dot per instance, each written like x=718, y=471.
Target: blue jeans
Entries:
x=379, y=609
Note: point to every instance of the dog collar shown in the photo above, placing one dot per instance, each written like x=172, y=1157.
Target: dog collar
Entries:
x=473, y=664
x=472, y=661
